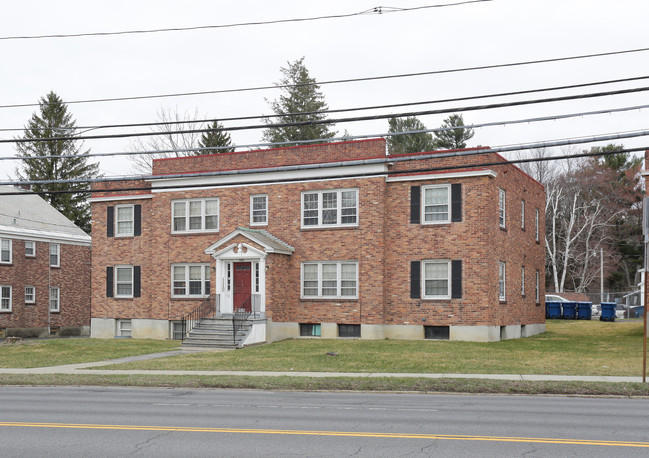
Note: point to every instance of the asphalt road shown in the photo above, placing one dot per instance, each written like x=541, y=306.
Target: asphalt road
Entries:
x=98, y=422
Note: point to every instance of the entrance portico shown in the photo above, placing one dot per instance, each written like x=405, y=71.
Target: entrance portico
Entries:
x=240, y=278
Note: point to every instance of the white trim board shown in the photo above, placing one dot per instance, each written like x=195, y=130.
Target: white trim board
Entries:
x=119, y=198
x=44, y=236
x=443, y=176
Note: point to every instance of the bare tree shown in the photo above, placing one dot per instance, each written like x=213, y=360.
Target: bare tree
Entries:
x=167, y=144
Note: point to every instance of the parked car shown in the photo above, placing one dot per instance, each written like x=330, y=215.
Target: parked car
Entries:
x=621, y=311
x=637, y=311
x=596, y=310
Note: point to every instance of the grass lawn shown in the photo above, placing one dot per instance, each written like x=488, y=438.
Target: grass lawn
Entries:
x=55, y=352
x=567, y=348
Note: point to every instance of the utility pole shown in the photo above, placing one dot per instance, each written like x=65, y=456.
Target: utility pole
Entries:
x=601, y=275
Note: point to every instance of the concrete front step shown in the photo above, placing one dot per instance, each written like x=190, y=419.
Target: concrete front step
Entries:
x=215, y=333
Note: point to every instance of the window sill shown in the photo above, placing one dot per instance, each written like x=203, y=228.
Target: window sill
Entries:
x=6, y=311
x=30, y=304
x=181, y=234
x=504, y=229
x=55, y=267
x=327, y=228
x=188, y=298
x=502, y=301
x=55, y=311
x=304, y=299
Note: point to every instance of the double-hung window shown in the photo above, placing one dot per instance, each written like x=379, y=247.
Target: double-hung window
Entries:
x=522, y=280
x=501, y=281
x=501, y=208
x=55, y=255
x=330, y=280
x=436, y=204
x=5, y=251
x=190, y=280
x=195, y=215
x=123, y=281
x=332, y=208
x=537, y=287
x=124, y=220
x=30, y=294
x=55, y=299
x=5, y=298
x=536, y=225
x=259, y=210
x=522, y=214
x=30, y=249
x=437, y=279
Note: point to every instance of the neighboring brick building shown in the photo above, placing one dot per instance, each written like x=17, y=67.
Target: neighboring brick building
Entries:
x=331, y=240
x=44, y=270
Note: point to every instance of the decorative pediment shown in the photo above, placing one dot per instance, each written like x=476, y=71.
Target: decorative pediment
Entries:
x=244, y=242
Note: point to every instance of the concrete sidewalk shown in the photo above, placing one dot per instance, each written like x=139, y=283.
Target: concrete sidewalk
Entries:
x=87, y=369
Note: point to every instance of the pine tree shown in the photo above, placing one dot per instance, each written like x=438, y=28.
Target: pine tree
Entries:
x=454, y=138
x=51, y=122
x=408, y=143
x=300, y=102
x=216, y=137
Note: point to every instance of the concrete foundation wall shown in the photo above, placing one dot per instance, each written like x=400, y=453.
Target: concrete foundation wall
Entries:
x=475, y=333
x=281, y=331
x=404, y=332
x=150, y=329
x=510, y=332
x=102, y=328
x=530, y=330
x=329, y=330
x=257, y=334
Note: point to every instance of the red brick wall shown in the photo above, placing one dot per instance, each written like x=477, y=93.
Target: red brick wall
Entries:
x=72, y=277
x=384, y=243
x=330, y=152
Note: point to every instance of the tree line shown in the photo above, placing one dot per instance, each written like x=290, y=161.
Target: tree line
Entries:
x=592, y=204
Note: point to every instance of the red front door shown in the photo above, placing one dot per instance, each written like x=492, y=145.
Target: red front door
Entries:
x=242, y=279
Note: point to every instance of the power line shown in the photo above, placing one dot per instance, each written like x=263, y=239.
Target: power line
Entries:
x=342, y=110
x=340, y=120
x=393, y=158
x=348, y=80
x=375, y=10
x=395, y=172
x=345, y=138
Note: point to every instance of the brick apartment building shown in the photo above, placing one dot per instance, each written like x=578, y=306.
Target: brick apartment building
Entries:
x=44, y=270
x=334, y=240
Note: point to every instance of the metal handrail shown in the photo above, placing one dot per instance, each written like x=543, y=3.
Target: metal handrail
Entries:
x=205, y=310
x=239, y=318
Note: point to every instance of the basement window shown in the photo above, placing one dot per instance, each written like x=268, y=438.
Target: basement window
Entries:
x=309, y=329
x=437, y=332
x=123, y=328
x=349, y=330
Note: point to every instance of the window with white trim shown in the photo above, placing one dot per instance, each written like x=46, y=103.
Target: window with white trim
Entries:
x=536, y=224
x=123, y=328
x=259, y=210
x=55, y=255
x=331, y=208
x=501, y=281
x=30, y=249
x=190, y=280
x=522, y=280
x=123, y=281
x=437, y=279
x=435, y=205
x=124, y=220
x=195, y=215
x=537, y=287
x=30, y=294
x=5, y=251
x=257, y=281
x=522, y=214
x=55, y=299
x=5, y=298
x=501, y=208
x=330, y=280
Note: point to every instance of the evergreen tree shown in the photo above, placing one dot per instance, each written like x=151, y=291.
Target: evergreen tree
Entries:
x=51, y=122
x=408, y=143
x=454, y=138
x=216, y=137
x=300, y=102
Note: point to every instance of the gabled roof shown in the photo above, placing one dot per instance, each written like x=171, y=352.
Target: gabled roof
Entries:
x=28, y=215
x=264, y=238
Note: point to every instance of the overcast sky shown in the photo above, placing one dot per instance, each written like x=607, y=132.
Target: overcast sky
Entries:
x=425, y=40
